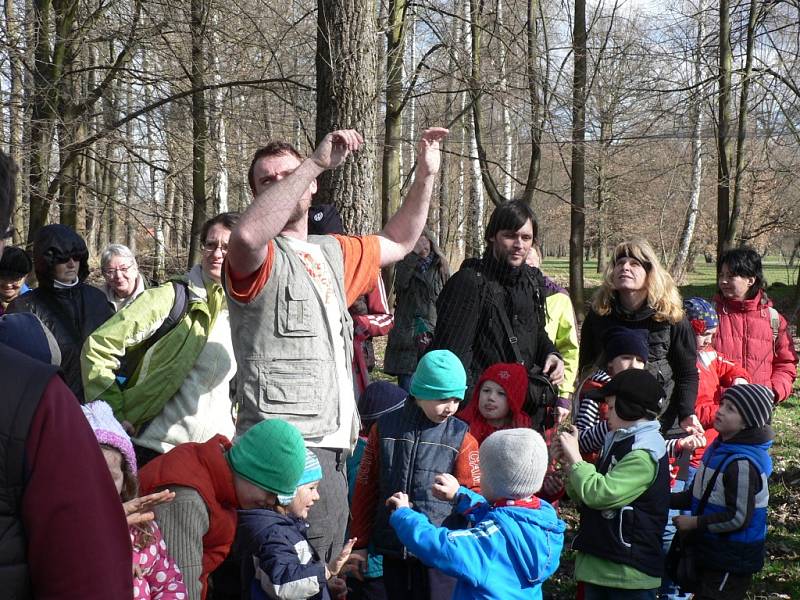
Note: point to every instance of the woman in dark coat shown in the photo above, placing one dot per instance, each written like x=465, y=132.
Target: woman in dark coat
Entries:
x=68, y=307
x=638, y=293
x=418, y=279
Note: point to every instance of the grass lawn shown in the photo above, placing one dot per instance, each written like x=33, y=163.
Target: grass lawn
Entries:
x=780, y=577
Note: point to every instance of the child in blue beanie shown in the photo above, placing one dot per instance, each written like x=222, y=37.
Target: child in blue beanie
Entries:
x=406, y=450
x=278, y=561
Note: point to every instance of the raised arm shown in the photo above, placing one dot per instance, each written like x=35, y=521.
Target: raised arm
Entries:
x=272, y=208
x=400, y=234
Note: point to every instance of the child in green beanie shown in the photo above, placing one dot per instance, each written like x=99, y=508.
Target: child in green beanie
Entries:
x=405, y=450
x=278, y=561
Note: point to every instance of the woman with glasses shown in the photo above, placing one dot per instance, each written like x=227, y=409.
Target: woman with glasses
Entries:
x=70, y=308
x=122, y=280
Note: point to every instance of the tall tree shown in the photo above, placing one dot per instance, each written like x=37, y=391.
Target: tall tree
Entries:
x=199, y=14
x=577, y=208
x=346, y=62
x=679, y=263
x=724, y=77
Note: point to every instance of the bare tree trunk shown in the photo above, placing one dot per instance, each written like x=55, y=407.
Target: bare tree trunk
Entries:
x=130, y=184
x=723, y=126
x=393, y=124
x=679, y=264
x=199, y=130
x=508, y=146
x=734, y=223
x=577, y=212
x=221, y=180
x=345, y=65
x=16, y=115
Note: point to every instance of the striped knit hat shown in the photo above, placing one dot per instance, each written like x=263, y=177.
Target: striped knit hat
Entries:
x=754, y=402
x=312, y=471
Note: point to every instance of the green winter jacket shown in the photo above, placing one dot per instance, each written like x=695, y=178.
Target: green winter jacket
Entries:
x=163, y=367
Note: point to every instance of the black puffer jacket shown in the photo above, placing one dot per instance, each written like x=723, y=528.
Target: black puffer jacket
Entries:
x=673, y=353
x=70, y=314
x=469, y=323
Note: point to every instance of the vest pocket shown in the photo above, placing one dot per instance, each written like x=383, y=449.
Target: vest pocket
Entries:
x=299, y=391
x=294, y=310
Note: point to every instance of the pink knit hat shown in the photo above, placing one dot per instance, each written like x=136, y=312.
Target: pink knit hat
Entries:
x=108, y=431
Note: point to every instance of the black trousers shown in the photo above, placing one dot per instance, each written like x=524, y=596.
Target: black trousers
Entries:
x=411, y=580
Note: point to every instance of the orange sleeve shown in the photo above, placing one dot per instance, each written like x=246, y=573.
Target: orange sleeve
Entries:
x=467, y=468
x=244, y=288
x=365, y=497
x=362, y=262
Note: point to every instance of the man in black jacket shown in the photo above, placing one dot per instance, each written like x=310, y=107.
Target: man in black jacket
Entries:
x=470, y=323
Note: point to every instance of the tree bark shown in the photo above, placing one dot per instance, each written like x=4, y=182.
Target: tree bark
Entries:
x=723, y=126
x=199, y=130
x=346, y=62
x=734, y=223
x=577, y=209
x=679, y=264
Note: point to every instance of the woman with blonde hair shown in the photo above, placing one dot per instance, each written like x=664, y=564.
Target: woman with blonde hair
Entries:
x=638, y=293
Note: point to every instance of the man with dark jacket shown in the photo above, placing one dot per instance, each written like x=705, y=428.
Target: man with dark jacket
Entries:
x=63, y=532
x=68, y=306
x=470, y=323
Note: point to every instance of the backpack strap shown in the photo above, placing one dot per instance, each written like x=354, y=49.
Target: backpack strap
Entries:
x=775, y=324
x=499, y=302
x=180, y=306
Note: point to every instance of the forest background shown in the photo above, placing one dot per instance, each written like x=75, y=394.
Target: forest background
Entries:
x=135, y=120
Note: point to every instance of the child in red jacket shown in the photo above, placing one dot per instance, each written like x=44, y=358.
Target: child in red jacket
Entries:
x=715, y=370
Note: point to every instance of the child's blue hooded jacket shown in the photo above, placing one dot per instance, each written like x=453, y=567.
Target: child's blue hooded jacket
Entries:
x=507, y=554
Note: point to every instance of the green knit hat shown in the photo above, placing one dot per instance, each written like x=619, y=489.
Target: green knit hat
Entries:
x=271, y=455
x=439, y=375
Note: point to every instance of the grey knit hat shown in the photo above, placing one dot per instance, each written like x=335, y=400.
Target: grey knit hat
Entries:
x=754, y=402
x=513, y=463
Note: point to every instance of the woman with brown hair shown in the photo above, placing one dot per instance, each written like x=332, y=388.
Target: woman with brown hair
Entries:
x=418, y=280
x=638, y=293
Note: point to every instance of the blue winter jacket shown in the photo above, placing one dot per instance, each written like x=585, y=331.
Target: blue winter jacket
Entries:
x=507, y=554
x=277, y=560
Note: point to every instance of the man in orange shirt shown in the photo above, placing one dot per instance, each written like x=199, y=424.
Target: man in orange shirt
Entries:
x=288, y=297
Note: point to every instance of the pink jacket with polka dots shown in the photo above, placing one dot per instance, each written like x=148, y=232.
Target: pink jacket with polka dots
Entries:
x=156, y=576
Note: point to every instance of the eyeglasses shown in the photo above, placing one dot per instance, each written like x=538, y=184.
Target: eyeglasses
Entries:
x=211, y=247
x=123, y=270
x=62, y=258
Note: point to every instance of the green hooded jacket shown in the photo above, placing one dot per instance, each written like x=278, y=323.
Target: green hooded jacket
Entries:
x=162, y=368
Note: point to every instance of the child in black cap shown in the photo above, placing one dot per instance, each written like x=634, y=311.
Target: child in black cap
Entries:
x=624, y=499
x=732, y=522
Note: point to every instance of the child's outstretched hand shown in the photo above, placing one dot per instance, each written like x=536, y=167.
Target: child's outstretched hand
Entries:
x=567, y=449
x=552, y=485
x=337, y=588
x=445, y=486
x=357, y=564
x=398, y=500
x=140, y=510
x=692, y=442
x=685, y=523
x=337, y=563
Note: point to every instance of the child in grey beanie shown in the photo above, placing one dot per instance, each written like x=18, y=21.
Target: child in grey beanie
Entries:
x=515, y=540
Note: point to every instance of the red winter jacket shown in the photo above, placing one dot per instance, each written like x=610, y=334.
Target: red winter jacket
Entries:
x=202, y=467
x=745, y=336
x=716, y=373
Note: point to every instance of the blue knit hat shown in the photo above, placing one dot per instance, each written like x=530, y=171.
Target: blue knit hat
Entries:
x=439, y=375
x=700, y=314
x=623, y=340
x=311, y=472
x=379, y=398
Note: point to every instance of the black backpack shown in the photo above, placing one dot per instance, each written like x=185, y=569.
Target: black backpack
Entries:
x=180, y=307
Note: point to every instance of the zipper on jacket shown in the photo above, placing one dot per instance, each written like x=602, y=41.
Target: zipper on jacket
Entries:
x=410, y=473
